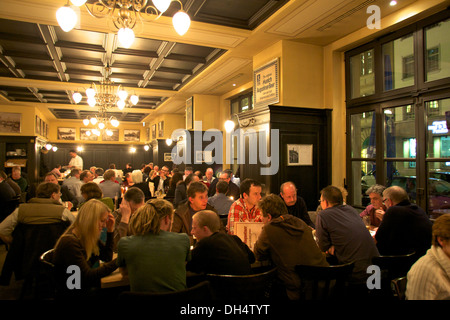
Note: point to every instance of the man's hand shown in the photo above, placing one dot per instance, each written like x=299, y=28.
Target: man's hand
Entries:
x=125, y=210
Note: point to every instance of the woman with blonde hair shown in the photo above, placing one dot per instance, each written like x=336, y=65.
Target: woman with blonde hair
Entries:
x=80, y=246
x=154, y=258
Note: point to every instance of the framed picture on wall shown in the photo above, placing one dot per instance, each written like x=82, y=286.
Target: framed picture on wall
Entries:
x=37, y=127
x=66, y=133
x=299, y=155
x=113, y=137
x=189, y=113
x=131, y=135
x=154, y=131
x=160, y=129
x=85, y=137
x=10, y=122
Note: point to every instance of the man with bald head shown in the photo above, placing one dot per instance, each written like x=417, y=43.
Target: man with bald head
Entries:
x=295, y=204
x=405, y=227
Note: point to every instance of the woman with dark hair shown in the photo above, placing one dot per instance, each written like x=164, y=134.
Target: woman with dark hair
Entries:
x=91, y=190
x=177, y=177
x=181, y=188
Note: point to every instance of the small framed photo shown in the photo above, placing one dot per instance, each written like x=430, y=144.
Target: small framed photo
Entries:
x=113, y=137
x=299, y=154
x=189, y=114
x=160, y=129
x=154, y=131
x=66, y=133
x=85, y=136
x=131, y=135
x=10, y=122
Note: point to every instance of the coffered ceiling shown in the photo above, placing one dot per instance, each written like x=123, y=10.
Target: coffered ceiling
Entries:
x=42, y=65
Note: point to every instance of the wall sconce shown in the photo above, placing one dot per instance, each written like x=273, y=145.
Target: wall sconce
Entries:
x=230, y=124
x=146, y=147
x=170, y=141
x=132, y=149
x=49, y=147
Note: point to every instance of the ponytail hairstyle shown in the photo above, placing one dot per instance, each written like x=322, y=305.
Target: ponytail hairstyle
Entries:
x=147, y=219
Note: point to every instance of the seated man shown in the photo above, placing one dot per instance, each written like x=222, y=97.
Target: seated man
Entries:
x=287, y=241
x=245, y=208
x=220, y=201
x=133, y=199
x=405, y=227
x=342, y=233
x=197, y=194
x=233, y=189
x=110, y=187
x=45, y=208
x=16, y=176
x=376, y=209
x=73, y=183
x=66, y=195
x=217, y=252
x=295, y=204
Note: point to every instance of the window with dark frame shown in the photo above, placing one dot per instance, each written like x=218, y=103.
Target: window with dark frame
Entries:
x=417, y=108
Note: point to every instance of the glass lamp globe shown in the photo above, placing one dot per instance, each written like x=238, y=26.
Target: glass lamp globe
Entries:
x=126, y=37
x=134, y=99
x=181, y=22
x=67, y=18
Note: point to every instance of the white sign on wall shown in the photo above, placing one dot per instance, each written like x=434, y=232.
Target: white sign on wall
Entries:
x=266, y=84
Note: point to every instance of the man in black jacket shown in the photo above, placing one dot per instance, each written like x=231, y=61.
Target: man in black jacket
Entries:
x=405, y=226
x=295, y=204
x=217, y=252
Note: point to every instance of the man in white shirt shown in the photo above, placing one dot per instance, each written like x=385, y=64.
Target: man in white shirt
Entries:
x=76, y=161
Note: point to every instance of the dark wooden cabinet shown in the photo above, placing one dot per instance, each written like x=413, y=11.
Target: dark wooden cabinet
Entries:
x=23, y=151
x=298, y=128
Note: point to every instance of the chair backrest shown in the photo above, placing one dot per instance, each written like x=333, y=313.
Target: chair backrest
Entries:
x=29, y=242
x=242, y=287
x=393, y=267
x=398, y=287
x=199, y=292
x=323, y=283
x=46, y=258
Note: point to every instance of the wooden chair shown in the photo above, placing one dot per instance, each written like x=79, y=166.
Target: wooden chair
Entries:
x=323, y=283
x=398, y=287
x=242, y=287
x=48, y=286
x=199, y=292
x=392, y=267
x=395, y=266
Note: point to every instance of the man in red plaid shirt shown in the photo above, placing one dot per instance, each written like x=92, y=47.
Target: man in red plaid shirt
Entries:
x=245, y=208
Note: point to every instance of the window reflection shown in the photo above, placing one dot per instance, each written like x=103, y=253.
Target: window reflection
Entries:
x=438, y=137
x=398, y=63
x=437, y=51
x=362, y=74
x=399, y=132
x=402, y=174
x=363, y=175
x=438, y=188
x=363, y=135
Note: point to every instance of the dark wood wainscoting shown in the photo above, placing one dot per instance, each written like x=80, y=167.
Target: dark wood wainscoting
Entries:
x=297, y=127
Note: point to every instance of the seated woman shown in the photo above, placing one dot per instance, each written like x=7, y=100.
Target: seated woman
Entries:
x=139, y=182
x=91, y=190
x=177, y=177
x=128, y=180
x=181, y=188
x=80, y=246
x=154, y=258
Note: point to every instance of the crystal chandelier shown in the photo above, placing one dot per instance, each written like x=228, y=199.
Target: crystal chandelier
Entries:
x=124, y=14
x=104, y=96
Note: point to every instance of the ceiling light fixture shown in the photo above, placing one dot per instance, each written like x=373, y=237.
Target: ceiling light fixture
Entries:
x=124, y=14
x=107, y=94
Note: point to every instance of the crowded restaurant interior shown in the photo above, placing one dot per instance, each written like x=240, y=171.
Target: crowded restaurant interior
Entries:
x=210, y=150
